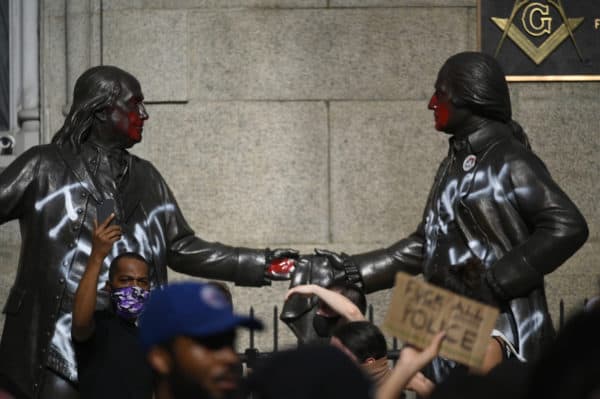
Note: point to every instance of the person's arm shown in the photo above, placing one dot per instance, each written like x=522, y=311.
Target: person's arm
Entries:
x=422, y=385
x=376, y=270
x=409, y=364
x=84, y=304
x=336, y=301
x=493, y=356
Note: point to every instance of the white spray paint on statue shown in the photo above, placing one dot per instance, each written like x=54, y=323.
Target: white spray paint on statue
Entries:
x=484, y=184
x=146, y=238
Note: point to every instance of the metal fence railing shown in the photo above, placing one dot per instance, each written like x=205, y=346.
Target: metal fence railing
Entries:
x=251, y=355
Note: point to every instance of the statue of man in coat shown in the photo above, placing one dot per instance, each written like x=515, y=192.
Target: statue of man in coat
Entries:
x=494, y=224
x=55, y=191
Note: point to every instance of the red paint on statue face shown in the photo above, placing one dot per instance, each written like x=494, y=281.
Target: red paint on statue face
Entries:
x=128, y=114
x=442, y=109
x=136, y=125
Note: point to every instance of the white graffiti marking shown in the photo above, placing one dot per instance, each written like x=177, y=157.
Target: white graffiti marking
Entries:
x=69, y=208
x=146, y=237
x=531, y=325
x=483, y=184
x=457, y=259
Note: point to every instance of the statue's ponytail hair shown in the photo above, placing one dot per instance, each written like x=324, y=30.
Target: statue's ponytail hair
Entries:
x=519, y=133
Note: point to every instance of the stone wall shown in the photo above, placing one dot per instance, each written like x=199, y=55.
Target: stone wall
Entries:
x=303, y=123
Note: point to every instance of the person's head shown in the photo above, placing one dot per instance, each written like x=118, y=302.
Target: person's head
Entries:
x=349, y=291
x=568, y=368
x=221, y=286
x=188, y=331
x=309, y=372
x=128, y=284
x=470, y=83
x=593, y=304
x=361, y=340
x=107, y=101
x=326, y=319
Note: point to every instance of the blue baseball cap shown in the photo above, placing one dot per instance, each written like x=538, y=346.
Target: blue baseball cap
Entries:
x=190, y=309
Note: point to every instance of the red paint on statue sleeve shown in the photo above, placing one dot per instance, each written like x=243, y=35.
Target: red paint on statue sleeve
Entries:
x=282, y=266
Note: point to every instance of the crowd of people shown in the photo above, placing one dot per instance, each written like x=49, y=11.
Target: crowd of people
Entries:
x=91, y=314
x=178, y=342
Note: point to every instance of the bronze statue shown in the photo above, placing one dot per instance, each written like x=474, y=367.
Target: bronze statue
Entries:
x=57, y=191
x=494, y=223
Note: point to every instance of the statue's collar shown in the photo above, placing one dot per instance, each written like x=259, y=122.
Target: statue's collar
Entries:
x=487, y=135
x=93, y=147
x=79, y=163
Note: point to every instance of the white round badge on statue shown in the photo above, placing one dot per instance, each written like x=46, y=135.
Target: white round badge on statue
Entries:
x=469, y=162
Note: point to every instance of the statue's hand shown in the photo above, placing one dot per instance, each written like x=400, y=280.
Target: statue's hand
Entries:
x=344, y=268
x=335, y=260
x=282, y=253
x=280, y=263
x=298, y=310
x=320, y=269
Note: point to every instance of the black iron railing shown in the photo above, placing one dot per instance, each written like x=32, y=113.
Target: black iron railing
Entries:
x=251, y=355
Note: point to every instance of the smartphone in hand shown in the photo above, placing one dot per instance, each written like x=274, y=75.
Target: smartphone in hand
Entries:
x=104, y=209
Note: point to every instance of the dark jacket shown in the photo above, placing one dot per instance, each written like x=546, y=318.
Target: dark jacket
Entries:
x=514, y=218
x=54, y=192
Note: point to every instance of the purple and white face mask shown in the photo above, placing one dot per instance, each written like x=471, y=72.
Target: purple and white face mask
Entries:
x=128, y=302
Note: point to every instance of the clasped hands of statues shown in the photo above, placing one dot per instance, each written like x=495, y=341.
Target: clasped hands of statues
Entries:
x=324, y=267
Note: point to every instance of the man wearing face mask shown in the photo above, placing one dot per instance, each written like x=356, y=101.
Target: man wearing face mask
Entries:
x=110, y=361
x=495, y=221
x=56, y=191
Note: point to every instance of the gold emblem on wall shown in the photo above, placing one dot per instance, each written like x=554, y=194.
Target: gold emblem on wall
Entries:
x=537, y=21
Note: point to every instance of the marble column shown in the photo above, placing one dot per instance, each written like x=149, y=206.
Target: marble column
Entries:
x=29, y=114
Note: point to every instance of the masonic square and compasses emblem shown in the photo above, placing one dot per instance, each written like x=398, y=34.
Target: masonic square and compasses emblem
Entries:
x=538, y=28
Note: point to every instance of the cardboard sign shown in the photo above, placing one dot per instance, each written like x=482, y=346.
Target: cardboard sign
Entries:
x=419, y=310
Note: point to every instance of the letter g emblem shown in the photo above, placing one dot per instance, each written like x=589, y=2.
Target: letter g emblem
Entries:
x=536, y=19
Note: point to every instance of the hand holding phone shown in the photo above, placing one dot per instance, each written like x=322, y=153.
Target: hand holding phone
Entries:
x=106, y=232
